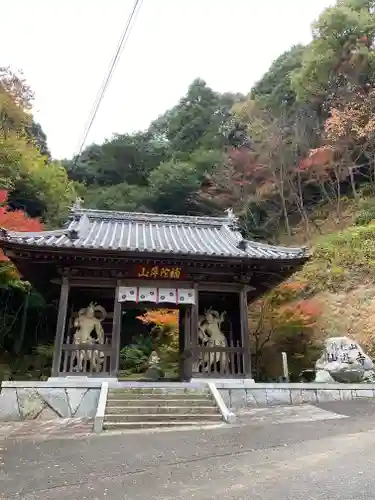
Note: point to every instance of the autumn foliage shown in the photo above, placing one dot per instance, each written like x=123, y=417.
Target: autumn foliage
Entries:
x=302, y=313
x=160, y=318
x=286, y=307
x=15, y=220
x=317, y=159
x=283, y=320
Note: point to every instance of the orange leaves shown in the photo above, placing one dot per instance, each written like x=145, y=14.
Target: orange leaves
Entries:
x=3, y=196
x=349, y=132
x=363, y=39
x=353, y=121
x=240, y=177
x=302, y=313
x=285, y=309
x=287, y=292
x=294, y=286
x=318, y=159
x=15, y=220
x=160, y=317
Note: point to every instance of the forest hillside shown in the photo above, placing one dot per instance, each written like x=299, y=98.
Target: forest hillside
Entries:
x=294, y=158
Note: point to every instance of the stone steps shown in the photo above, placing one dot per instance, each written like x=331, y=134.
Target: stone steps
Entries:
x=162, y=417
x=156, y=397
x=156, y=393
x=151, y=410
x=143, y=408
x=127, y=402
x=163, y=424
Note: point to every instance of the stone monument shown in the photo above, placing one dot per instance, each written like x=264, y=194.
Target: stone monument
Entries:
x=343, y=360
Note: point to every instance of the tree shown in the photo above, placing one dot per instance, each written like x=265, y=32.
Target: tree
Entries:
x=348, y=138
x=350, y=131
x=201, y=120
x=125, y=158
x=272, y=143
x=39, y=139
x=38, y=188
x=15, y=103
x=13, y=220
x=122, y=197
x=160, y=318
x=274, y=91
x=34, y=185
x=283, y=320
x=341, y=55
x=173, y=186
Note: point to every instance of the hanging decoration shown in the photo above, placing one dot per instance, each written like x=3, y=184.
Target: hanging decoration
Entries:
x=147, y=294
x=157, y=295
x=128, y=294
x=167, y=295
x=186, y=296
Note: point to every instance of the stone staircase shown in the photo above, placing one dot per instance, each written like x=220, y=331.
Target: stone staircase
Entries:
x=157, y=408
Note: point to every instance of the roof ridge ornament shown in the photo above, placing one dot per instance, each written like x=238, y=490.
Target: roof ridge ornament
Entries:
x=242, y=245
x=77, y=205
x=230, y=214
x=3, y=233
x=232, y=219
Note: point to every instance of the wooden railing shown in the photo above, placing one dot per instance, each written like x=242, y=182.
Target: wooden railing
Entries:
x=81, y=359
x=218, y=361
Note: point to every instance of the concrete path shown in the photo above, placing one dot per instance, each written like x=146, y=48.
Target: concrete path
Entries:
x=280, y=454
x=71, y=428
x=76, y=428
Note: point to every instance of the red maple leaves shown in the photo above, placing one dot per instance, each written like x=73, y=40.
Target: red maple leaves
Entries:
x=15, y=220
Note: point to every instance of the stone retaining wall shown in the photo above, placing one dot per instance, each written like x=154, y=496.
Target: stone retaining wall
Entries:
x=74, y=398
x=48, y=400
x=240, y=395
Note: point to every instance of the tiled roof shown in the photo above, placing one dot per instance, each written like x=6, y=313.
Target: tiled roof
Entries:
x=154, y=233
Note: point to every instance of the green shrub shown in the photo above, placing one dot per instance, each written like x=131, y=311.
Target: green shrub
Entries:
x=366, y=212
x=134, y=357
x=342, y=259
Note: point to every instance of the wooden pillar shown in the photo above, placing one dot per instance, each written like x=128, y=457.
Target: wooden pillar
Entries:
x=245, y=332
x=60, y=327
x=194, y=329
x=189, y=341
x=184, y=323
x=194, y=318
x=116, y=334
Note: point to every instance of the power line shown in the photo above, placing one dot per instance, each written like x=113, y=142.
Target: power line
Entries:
x=103, y=88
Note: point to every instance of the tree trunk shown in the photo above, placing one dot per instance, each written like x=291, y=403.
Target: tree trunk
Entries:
x=338, y=191
x=19, y=342
x=352, y=183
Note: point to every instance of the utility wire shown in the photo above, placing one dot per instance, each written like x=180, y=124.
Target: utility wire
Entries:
x=103, y=88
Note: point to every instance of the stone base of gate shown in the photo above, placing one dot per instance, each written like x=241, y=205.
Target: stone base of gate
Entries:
x=48, y=400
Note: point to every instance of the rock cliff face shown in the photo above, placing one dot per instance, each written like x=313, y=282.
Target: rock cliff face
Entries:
x=343, y=360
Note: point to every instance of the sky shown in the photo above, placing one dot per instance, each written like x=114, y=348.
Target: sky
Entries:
x=64, y=50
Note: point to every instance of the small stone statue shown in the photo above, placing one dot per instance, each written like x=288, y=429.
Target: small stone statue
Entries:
x=154, y=372
x=153, y=360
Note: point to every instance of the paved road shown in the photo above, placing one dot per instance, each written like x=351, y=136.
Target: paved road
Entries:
x=310, y=453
